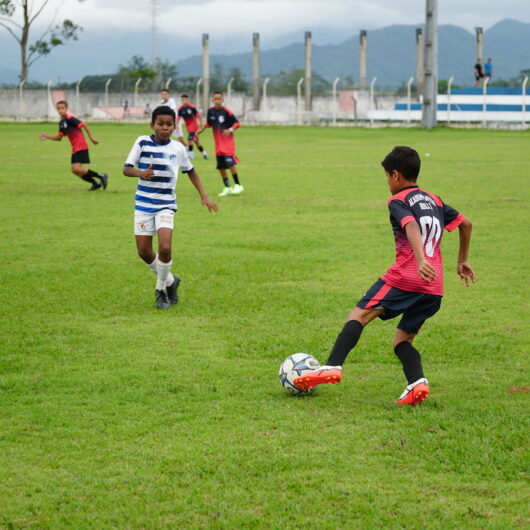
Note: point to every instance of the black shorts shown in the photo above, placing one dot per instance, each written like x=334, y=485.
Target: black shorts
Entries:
x=226, y=161
x=192, y=137
x=416, y=308
x=81, y=157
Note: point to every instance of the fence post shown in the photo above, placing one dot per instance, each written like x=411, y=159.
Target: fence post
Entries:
x=77, y=100
x=525, y=80
x=449, y=83
x=409, y=84
x=372, y=100
x=337, y=79
x=21, y=99
x=136, y=91
x=229, y=90
x=299, y=101
x=168, y=82
x=107, y=83
x=198, y=94
x=265, y=100
x=485, y=101
x=49, y=98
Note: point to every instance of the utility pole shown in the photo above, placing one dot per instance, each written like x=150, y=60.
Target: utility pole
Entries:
x=419, y=62
x=480, y=43
x=363, y=44
x=307, y=77
x=155, y=60
x=430, y=61
x=255, y=72
x=205, y=72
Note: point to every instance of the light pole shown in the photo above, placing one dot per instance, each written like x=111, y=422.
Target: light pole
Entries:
x=430, y=69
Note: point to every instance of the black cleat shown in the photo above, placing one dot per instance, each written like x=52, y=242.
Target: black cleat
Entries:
x=104, y=179
x=205, y=156
x=162, y=301
x=95, y=186
x=172, y=295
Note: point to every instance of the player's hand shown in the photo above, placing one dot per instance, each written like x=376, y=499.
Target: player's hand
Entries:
x=212, y=207
x=227, y=132
x=466, y=273
x=148, y=173
x=42, y=137
x=426, y=271
x=94, y=141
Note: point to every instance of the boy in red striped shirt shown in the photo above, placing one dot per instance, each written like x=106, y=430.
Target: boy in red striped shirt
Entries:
x=413, y=285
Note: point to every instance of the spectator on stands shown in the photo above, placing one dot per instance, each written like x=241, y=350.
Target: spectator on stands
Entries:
x=479, y=74
x=488, y=69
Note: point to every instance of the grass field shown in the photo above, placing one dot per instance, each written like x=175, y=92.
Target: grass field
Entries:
x=114, y=414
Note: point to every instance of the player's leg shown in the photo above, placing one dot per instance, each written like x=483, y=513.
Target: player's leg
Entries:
x=221, y=166
x=409, y=326
x=82, y=157
x=331, y=371
x=200, y=147
x=233, y=169
x=166, y=282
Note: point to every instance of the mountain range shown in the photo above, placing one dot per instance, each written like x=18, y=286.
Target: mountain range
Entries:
x=391, y=53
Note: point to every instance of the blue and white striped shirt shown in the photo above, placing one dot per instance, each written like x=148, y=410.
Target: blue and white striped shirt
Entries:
x=159, y=192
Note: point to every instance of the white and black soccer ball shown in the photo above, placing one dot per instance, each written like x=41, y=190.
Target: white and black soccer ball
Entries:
x=295, y=366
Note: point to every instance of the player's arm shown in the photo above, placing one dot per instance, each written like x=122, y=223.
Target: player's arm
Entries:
x=131, y=171
x=202, y=126
x=425, y=269
x=463, y=268
x=89, y=134
x=196, y=181
x=56, y=138
x=233, y=127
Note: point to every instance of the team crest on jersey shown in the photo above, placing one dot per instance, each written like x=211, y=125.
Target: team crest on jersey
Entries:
x=221, y=119
x=172, y=158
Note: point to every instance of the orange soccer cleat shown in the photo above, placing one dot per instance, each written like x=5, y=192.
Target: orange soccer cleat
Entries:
x=324, y=374
x=415, y=393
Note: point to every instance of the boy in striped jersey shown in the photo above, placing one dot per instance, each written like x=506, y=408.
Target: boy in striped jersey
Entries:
x=413, y=285
x=158, y=159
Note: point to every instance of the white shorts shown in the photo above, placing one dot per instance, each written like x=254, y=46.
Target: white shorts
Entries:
x=147, y=224
x=177, y=133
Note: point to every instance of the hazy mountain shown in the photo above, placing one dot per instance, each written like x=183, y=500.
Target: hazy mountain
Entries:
x=391, y=53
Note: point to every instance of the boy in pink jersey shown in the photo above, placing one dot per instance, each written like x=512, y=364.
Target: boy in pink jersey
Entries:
x=71, y=127
x=413, y=285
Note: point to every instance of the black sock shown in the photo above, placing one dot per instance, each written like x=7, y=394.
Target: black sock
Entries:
x=411, y=360
x=88, y=178
x=227, y=182
x=235, y=177
x=190, y=147
x=200, y=148
x=346, y=341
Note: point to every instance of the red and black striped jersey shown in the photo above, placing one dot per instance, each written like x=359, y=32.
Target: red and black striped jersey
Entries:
x=433, y=216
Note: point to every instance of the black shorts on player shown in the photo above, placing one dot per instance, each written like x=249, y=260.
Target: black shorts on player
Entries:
x=225, y=162
x=192, y=137
x=81, y=157
x=416, y=308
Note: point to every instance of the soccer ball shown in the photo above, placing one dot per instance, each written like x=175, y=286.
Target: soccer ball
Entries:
x=294, y=366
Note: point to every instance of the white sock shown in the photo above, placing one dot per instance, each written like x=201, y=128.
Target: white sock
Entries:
x=170, y=279
x=153, y=265
x=163, y=272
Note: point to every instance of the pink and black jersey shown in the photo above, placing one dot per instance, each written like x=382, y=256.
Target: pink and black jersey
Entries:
x=71, y=126
x=432, y=216
x=189, y=114
x=219, y=120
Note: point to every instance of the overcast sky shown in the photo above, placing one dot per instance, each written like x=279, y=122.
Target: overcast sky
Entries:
x=225, y=18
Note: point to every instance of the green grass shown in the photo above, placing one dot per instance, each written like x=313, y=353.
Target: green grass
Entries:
x=114, y=414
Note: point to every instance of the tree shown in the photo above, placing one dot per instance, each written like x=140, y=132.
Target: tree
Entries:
x=17, y=17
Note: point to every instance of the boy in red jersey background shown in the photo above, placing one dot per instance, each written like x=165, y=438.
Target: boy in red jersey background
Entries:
x=413, y=285
x=224, y=123
x=72, y=127
x=193, y=120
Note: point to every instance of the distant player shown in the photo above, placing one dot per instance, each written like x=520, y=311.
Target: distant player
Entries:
x=224, y=123
x=72, y=127
x=193, y=120
x=413, y=286
x=170, y=102
x=158, y=159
